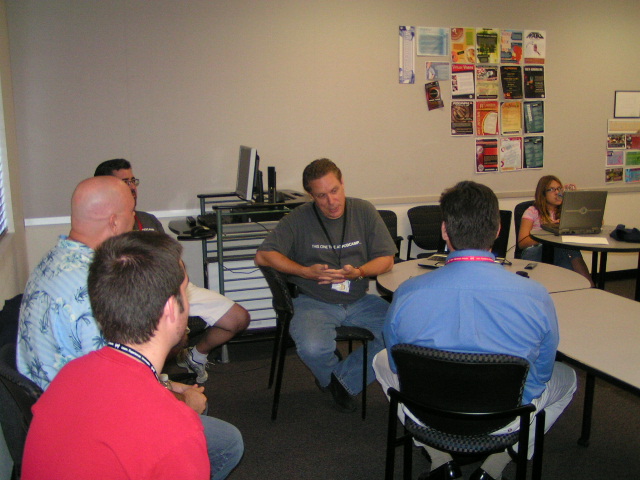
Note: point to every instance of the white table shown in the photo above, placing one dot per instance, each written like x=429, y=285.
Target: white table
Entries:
x=600, y=333
x=548, y=239
x=554, y=279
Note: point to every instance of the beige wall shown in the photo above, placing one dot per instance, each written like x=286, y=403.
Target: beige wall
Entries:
x=13, y=259
x=176, y=87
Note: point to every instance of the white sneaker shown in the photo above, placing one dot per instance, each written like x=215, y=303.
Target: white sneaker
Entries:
x=185, y=360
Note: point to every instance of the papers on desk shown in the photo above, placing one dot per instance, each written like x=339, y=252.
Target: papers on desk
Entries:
x=586, y=240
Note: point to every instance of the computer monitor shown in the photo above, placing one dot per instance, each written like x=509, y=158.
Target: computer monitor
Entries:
x=248, y=173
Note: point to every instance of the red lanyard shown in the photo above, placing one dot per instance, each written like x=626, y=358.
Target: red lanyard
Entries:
x=471, y=258
x=139, y=223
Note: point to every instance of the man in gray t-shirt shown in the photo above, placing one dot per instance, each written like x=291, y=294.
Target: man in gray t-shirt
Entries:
x=329, y=248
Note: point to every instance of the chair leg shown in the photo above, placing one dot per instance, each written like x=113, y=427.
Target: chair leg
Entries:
x=523, y=443
x=277, y=341
x=282, y=350
x=536, y=473
x=407, y=455
x=391, y=439
x=365, y=347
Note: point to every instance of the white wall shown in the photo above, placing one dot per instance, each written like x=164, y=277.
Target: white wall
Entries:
x=176, y=87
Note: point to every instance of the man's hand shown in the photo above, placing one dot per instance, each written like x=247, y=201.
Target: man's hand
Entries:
x=195, y=398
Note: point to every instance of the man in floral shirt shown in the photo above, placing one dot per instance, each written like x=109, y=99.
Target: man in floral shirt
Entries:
x=56, y=324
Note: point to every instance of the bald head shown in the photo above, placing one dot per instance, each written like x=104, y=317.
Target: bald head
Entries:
x=101, y=207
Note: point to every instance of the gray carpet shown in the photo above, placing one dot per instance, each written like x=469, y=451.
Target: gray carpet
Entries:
x=311, y=440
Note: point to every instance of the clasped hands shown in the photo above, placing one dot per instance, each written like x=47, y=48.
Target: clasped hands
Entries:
x=325, y=275
x=192, y=395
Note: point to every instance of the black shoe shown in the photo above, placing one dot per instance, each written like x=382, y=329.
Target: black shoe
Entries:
x=449, y=470
x=344, y=401
x=480, y=474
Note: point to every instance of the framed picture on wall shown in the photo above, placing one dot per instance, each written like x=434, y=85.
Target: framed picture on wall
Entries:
x=627, y=104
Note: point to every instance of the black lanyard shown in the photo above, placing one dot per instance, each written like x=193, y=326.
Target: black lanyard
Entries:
x=135, y=354
x=326, y=233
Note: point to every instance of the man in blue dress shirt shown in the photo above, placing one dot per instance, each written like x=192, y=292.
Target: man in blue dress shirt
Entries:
x=473, y=305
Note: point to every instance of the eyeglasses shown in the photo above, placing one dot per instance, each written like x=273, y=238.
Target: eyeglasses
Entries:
x=548, y=190
x=131, y=181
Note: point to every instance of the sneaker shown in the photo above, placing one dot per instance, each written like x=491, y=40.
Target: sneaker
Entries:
x=185, y=360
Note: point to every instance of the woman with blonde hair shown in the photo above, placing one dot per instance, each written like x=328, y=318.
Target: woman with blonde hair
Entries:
x=547, y=208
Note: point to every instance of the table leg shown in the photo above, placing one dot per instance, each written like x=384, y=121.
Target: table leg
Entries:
x=603, y=270
x=638, y=280
x=587, y=411
x=547, y=254
x=594, y=267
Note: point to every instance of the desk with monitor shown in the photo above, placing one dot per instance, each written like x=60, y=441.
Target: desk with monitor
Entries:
x=598, y=269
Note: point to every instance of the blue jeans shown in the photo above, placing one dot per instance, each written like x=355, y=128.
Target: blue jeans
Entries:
x=561, y=256
x=313, y=328
x=224, y=446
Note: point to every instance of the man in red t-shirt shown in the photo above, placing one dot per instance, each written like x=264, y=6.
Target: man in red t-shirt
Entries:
x=106, y=413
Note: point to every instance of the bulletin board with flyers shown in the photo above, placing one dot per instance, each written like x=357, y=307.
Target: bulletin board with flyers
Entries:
x=497, y=84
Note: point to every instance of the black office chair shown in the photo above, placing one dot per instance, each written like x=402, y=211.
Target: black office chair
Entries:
x=426, y=223
x=460, y=399
x=17, y=396
x=518, y=211
x=501, y=245
x=283, y=306
x=391, y=221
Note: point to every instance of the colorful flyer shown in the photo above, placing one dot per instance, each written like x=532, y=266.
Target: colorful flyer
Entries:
x=462, y=117
x=406, y=38
x=510, y=154
x=434, y=99
x=534, y=82
x=487, y=118
x=511, y=46
x=632, y=158
x=432, y=41
x=437, y=71
x=511, y=118
x=463, y=45
x=633, y=141
x=535, y=46
x=487, y=40
x=615, y=157
x=613, y=175
x=487, y=82
x=462, y=81
x=533, y=148
x=534, y=117
x=616, y=141
x=486, y=155
x=632, y=175
x=511, y=76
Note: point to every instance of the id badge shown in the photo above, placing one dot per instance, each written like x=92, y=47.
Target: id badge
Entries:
x=341, y=287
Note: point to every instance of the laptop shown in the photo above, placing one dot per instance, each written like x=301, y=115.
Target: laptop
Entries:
x=439, y=259
x=582, y=213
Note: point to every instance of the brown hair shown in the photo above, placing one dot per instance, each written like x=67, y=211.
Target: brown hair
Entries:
x=540, y=200
x=318, y=169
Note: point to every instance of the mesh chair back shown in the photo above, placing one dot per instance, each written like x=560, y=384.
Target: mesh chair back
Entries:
x=517, y=217
x=501, y=245
x=460, y=382
x=426, y=222
x=282, y=303
x=17, y=396
x=391, y=221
